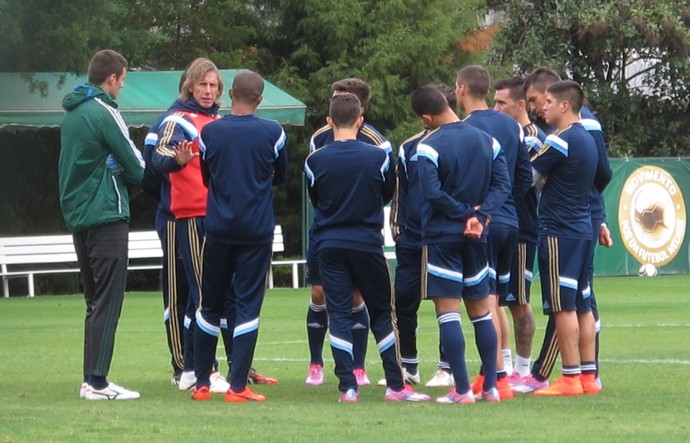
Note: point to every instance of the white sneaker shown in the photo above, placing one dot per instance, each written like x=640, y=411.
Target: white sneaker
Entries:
x=110, y=392
x=408, y=379
x=83, y=390
x=441, y=378
x=187, y=381
x=218, y=383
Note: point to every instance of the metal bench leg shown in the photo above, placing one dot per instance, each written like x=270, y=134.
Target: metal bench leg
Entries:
x=270, y=277
x=5, y=287
x=30, y=281
x=295, y=279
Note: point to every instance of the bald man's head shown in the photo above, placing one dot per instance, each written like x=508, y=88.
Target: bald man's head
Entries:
x=247, y=87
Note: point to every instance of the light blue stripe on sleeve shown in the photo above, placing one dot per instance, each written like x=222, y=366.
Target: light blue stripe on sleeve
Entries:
x=386, y=146
x=557, y=143
x=590, y=124
x=188, y=126
x=280, y=144
x=426, y=151
x=496, y=146
x=309, y=173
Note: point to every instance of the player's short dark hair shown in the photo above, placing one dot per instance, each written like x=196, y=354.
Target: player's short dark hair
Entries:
x=344, y=110
x=514, y=87
x=195, y=72
x=540, y=79
x=568, y=91
x=448, y=93
x=104, y=63
x=355, y=86
x=247, y=87
x=428, y=100
x=477, y=80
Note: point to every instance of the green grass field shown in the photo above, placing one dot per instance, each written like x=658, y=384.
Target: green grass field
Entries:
x=645, y=364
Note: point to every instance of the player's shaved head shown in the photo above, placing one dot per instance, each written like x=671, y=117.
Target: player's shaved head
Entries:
x=355, y=86
x=476, y=79
x=344, y=110
x=428, y=100
x=540, y=79
x=247, y=87
x=568, y=91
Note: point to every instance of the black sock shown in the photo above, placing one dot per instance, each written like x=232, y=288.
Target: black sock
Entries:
x=97, y=381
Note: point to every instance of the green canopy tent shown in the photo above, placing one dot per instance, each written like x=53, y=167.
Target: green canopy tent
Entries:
x=146, y=96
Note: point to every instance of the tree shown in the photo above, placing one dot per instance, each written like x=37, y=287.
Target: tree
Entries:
x=300, y=45
x=631, y=56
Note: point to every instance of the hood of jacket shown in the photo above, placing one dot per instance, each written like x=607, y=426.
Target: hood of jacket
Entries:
x=83, y=93
x=191, y=105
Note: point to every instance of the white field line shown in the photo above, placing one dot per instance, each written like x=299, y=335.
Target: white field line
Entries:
x=633, y=361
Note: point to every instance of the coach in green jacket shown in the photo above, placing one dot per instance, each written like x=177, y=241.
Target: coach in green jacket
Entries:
x=97, y=161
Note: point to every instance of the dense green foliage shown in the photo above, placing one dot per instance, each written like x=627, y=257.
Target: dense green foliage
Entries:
x=631, y=56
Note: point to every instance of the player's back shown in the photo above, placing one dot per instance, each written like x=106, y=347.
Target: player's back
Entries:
x=509, y=134
x=349, y=178
x=460, y=157
x=240, y=153
x=569, y=161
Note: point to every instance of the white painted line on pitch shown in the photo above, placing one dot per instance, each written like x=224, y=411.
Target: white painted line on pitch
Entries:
x=663, y=362
x=647, y=325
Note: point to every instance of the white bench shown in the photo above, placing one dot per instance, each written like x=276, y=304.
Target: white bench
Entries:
x=19, y=256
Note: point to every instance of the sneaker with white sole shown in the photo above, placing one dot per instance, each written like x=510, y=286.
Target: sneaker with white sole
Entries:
x=218, y=383
x=441, y=378
x=530, y=384
x=315, y=377
x=187, y=381
x=405, y=394
x=453, y=397
x=110, y=392
x=408, y=379
x=83, y=389
x=362, y=377
x=349, y=396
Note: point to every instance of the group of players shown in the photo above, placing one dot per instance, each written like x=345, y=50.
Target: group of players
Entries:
x=476, y=201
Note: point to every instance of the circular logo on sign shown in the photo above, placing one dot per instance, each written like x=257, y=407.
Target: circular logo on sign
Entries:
x=651, y=216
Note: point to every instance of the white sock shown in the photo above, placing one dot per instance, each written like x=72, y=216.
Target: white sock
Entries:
x=507, y=361
x=522, y=365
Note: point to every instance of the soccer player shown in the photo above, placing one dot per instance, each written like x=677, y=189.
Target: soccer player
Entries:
x=242, y=156
x=509, y=99
x=565, y=170
x=406, y=226
x=183, y=192
x=472, y=91
x=317, y=318
x=95, y=205
x=457, y=166
x=535, y=90
x=349, y=183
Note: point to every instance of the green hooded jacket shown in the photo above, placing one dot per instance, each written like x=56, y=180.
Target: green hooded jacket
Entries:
x=91, y=194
